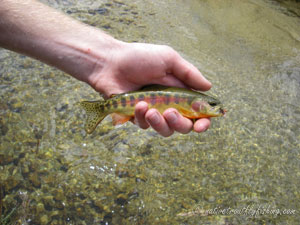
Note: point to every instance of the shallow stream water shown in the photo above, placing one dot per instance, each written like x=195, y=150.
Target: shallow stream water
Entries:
x=244, y=170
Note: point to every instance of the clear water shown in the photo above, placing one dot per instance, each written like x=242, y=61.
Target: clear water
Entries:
x=51, y=172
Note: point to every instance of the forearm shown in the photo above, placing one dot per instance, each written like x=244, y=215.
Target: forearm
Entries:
x=34, y=29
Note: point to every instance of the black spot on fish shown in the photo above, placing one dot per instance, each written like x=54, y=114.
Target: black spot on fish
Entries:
x=101, y=107
x=190, y=100
x=167, y=99
x=141, y=97
x=115, y=104
x=96, y=107
x=132, y=100
x=107, y=105
x=152, y=98
x=123, y=101
x=177, y=98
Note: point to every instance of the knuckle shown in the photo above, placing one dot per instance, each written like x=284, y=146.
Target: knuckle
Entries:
x=186, y=75
x=171, y=53
x=168, y=48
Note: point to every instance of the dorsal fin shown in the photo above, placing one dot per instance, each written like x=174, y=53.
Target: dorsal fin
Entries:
x=154, y=87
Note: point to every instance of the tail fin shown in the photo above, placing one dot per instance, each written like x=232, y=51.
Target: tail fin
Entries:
x=95, y=114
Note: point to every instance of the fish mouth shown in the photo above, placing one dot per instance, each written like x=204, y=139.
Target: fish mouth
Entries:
x=223, y=111
x=219, y=111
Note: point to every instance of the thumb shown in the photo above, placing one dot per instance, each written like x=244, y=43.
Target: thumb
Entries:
x=189, y=74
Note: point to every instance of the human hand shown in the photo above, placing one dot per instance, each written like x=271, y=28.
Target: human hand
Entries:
x=108, y=65
x=131, y=66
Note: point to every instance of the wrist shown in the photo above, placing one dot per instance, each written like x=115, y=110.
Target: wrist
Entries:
x=103, y=57
x=85, y=55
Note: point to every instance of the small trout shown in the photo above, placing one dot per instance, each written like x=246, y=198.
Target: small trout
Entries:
x=189, y=103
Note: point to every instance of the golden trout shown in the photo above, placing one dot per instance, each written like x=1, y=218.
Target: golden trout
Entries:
x=189, y=103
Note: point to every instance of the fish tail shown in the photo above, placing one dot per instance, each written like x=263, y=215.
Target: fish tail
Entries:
x=95, y=114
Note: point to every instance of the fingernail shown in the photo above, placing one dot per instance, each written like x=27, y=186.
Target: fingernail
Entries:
x=154, y=118
x=172, y=117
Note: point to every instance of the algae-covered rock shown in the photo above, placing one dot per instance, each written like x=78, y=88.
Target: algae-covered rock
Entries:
x=3, y=127
x=44, y=219
x=40, y=208
x=12, y=181
x=59, y=194
x=35, y=179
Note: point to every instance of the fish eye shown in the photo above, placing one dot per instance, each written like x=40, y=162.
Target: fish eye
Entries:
x=212, y=103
